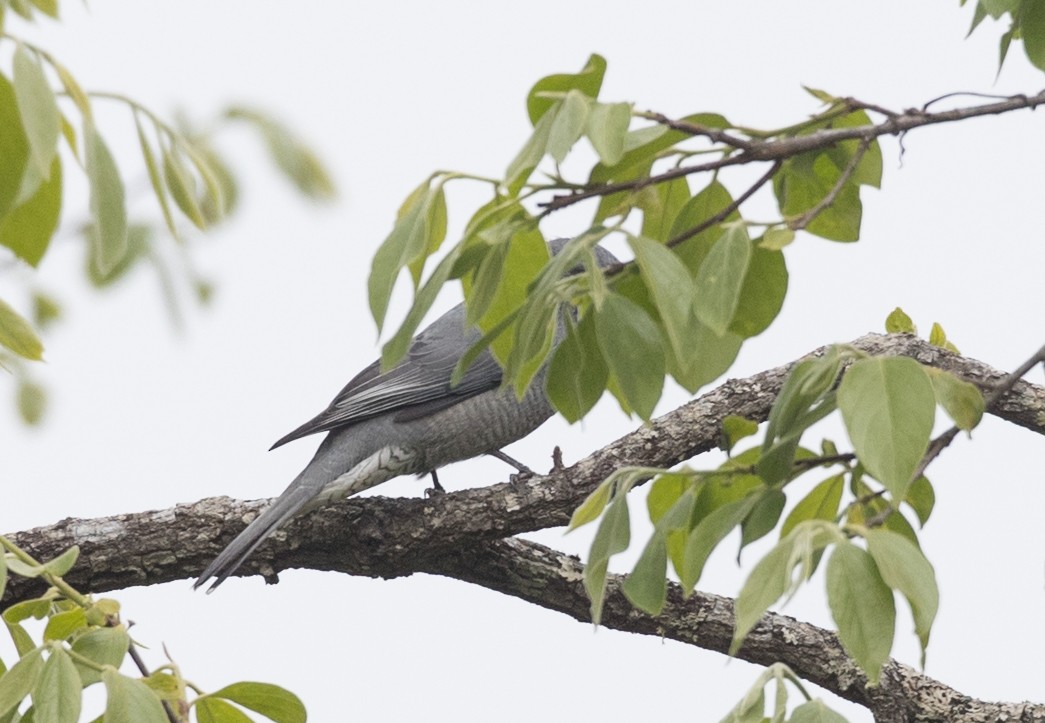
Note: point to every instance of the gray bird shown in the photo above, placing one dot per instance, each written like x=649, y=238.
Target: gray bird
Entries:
x=408, y=420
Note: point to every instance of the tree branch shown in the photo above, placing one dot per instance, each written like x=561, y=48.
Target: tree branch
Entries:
x=553, y=580
x=381, y=537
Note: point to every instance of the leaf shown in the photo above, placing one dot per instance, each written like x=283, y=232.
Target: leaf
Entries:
x=270, y=700
x=776, y=238
x=105, y=646
x=108, y=209
x=216, y=710
x=721, y=277
x=709, y=532
x=820, y=504
x=903, y=567
x=862, y=606
x=57, y=694
x=577, y=374
x=63, y=563
x=529, y=156
x=182, y=186
x=888, y=407
x=14, y=148
x=38, y=109
x=607, y=128
x=735, y=428
x=1032, y=30
x=588, y=81
x=158, y=187
x=761, y=294
x=632, y=349
x=710, y=356
x=571, y=118
x=28, y=228
x=593, y=505
x=671, y=288
x=962, y=400
x=613, y=536
x=767, y=583
x=763, y=517
x=20, y=680
x=921, y=497
x=661, y=205
x=130, y=700
x=17, y=335
x=646, y=586
x=804, y=181
x=899, y=323
x=815, y=711
x=62, y=625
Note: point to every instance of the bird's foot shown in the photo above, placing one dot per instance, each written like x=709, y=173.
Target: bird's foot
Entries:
x=522, y=468
x=436, y=489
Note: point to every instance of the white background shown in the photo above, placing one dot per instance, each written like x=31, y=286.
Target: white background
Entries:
x=143, y=417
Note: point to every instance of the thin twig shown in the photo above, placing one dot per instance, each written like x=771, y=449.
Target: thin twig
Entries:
x=695, y=129
x=806, y=218
x=139, y=663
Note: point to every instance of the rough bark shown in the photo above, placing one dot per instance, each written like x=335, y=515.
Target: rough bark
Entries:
x=461, y=535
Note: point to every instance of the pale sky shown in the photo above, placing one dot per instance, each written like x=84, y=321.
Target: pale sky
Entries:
x=144, y=417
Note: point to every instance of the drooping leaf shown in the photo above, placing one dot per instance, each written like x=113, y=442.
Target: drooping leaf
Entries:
x=767, y=583
x=530, y=155
x=862, y=606
x=104, y=646
x=130, y=700
x=28, y=228
x=632, y=349
x=37, y=108
x=921, y=497
x=736, y=428
x=571, y=118
x=761, y=294
x=14, y=148
x=108, y=207
x=153, y=168
x=709, y=532
x=962, y=400
x=807, y=179
x=182, y=185
x=671, y=288
x=721, y=277
x=903, y=567
x=612, y=537
x=646, y=586
x=661, y=205
x=57, y=693
x=888, y=406
x=577, y=374
x=763, y=517
x=820, y=504
x=17, y=335
x=607, y=129
x=1032, y=30
x=593, y=505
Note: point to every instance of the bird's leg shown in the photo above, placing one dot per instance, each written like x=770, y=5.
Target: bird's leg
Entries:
x=522, y=468
x=436, y=488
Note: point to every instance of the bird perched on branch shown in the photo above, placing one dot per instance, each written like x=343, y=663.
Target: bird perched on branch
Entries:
x=408, y=420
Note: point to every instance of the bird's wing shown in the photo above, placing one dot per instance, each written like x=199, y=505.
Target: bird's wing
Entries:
x=418, y=386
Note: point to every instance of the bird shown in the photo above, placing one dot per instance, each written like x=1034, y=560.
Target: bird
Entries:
x=407, y=420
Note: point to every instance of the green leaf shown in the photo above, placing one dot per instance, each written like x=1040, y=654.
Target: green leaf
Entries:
x=64, y=624
x=766, y=584
x=632, y=349
x=571, y=118
x=108, y=209
x=862, y=606
x=671, y=288
x=921, y=497
x=1032, y=30
x=899, y=323
x=607, y=129
x=761, y=294
x=804, y=181
x=736, y=428
x=182, y=185
x=38, y=109
x=776, y=238
x=661, y=205
x=763, y=517
x=903, y=567
x=706, y=536
x=105, y=646
x=888, y=406
x=20, y=680
x=63, y=563
x=28, y=228
x=613, y=536
x=216, y=710
x=542, y=95
x=593, y=505
x=57, y=693
x=435, y=232
x=577, y=374
x=270, y=700
x=529, y=156
x=130, y=700
x=14, y=148
x=721, y=277
x=155, y=178
x=297, y=161
x=139, y=239
x=32, y=401
x=815, y=711
x=17, y=334
x=962, y=401
x=646, y=587
x=710, y=356
x=820, y=504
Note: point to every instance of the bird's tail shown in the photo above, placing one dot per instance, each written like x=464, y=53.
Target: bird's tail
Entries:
x=286, y=506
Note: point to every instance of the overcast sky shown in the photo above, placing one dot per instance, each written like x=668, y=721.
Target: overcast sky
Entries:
x=144, y=417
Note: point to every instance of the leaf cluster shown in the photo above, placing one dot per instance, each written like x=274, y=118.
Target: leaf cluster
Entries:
x=83, y=643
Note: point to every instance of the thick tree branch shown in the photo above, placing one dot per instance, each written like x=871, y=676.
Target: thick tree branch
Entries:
x=553, y=580
x=382, y=537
